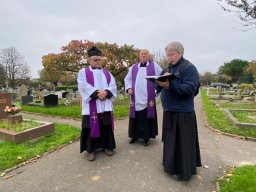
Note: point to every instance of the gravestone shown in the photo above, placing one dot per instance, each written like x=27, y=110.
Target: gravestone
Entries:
x=59, y=93
x=26, y=99
x=51, y=100
x=45, y=92
x=5, y=100
x=14, y=97
x=77, y=94
x=239, y=94
x=69, y=97
x=23, y=90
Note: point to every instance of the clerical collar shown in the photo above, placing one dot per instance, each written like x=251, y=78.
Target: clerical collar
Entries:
x=96, y=67
x=143, y=64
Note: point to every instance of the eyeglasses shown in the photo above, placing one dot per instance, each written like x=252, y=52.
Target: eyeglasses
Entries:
x=96, y=60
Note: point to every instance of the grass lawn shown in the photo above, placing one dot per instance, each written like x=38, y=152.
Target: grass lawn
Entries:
x=13, y=154
x=217, y=119
x=121, y=109
x=231, y=105
x=244, y=117
x=242, y=179
x=18, y=127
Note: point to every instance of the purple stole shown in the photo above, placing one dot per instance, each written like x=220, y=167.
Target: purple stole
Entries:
x=94, y=123
x=151, y=113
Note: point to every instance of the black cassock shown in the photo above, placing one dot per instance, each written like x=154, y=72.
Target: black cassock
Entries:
x=181, y=146
x=106, y=139
x=142, y=127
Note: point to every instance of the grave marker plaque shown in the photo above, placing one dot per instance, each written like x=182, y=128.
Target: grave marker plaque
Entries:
x=5, y=100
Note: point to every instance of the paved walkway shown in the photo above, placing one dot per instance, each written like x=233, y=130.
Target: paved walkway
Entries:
x=133, y=167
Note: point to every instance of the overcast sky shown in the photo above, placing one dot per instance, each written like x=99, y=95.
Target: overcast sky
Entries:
x=38, y=27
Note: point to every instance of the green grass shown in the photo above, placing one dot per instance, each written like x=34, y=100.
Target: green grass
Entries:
x=121, y=109
x=241, y=179
x=232, y=105
x=18, y=127
x=243, y=116
x=12, y=154
x=217, y=119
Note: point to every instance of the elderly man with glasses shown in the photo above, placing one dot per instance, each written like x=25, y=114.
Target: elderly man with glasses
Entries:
x=97, y=88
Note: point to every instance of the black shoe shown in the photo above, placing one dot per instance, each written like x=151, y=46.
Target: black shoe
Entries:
x=146, y=142
x=133, y=140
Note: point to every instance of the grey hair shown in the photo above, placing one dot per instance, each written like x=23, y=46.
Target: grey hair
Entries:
x=175, y=46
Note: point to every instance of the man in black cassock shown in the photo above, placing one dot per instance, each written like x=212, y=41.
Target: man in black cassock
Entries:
x=97, y=88
x=143, y=117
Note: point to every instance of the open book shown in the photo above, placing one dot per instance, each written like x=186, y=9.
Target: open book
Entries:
x=162, y=78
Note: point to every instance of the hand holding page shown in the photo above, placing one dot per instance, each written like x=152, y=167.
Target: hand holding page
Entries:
x=162, y=78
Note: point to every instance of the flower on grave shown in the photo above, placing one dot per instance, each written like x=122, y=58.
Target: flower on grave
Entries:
x=12, y=110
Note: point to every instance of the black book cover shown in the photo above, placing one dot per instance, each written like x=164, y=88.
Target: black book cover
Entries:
x=162, y=78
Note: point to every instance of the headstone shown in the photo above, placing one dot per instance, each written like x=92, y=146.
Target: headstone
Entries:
x=77, y=95
x=69, y=97
x=26, y=99
x=59, y=93
x=14, y=97
x=239, y=94
x=5, y=100
x=51, y=100
x=45, y=92
x=23, y=90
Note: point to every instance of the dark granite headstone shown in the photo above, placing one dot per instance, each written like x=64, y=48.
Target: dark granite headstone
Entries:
x=26, y=99
x=51, y=100
x=5, y=100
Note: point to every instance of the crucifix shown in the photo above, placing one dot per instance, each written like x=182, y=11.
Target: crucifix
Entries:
x=94, y=117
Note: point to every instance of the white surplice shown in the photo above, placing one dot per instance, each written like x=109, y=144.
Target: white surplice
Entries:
x=100, y=83
x=141, y=94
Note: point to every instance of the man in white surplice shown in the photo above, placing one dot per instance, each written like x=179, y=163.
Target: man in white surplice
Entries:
x=142, y=124
x=97, y=88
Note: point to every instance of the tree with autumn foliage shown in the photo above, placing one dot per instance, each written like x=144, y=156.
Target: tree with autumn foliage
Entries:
x=250, y=71
x=117, y=59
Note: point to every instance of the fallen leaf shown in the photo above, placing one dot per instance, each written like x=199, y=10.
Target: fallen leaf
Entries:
x=95, y=178
x=8, y=176
x=206, y=167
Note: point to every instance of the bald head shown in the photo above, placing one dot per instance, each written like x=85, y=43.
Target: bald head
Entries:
x=144, y=55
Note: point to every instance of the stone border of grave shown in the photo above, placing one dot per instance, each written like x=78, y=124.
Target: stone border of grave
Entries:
x=227, y=134
x=236, y=122
x=19, y=137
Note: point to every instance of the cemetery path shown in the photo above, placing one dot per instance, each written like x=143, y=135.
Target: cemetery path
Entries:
x=132, y=168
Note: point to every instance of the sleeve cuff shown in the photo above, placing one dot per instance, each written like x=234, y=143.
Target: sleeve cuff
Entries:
x=94, y=95
x=109, y=94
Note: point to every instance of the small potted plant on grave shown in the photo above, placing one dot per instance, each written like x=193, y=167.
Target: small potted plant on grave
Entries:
x=13, y=114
